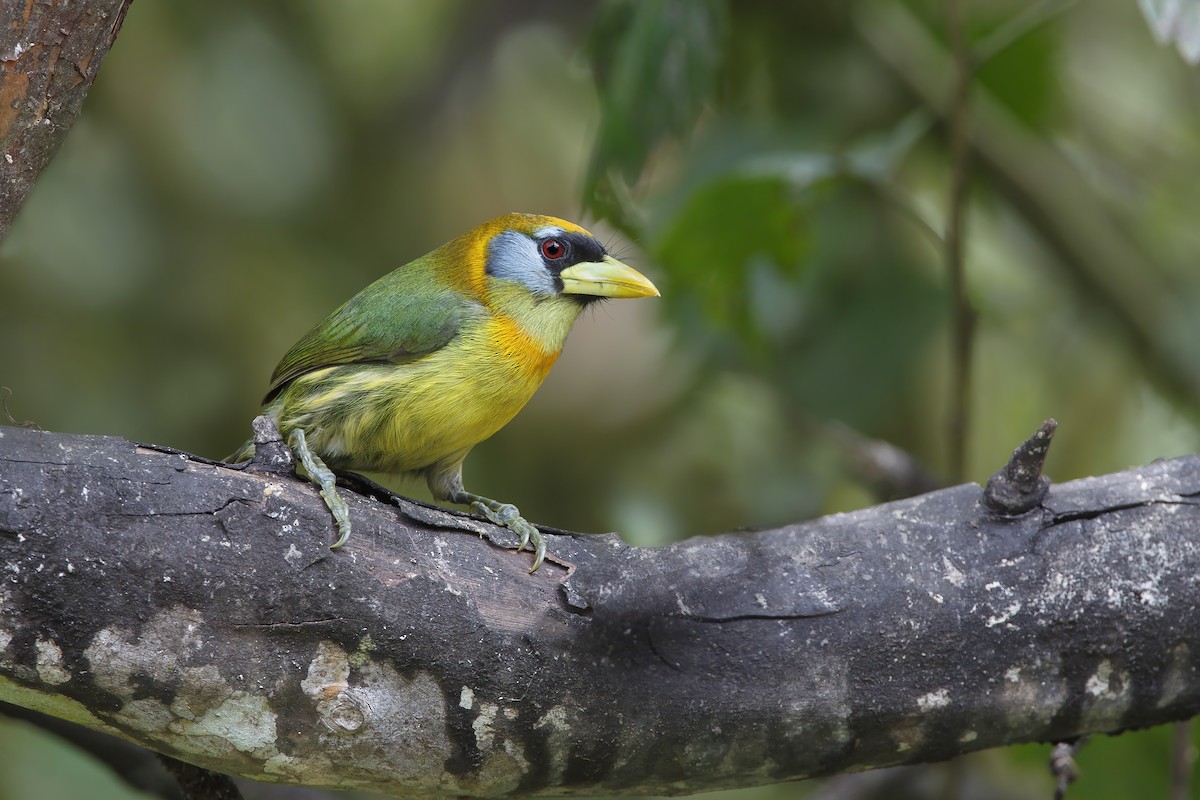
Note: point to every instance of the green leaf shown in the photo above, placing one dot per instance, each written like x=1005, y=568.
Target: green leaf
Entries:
x=656, y=64
x=733, y=237
x=1024, y=74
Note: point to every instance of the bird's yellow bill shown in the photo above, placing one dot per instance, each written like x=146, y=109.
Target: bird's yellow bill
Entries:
x=606, y=278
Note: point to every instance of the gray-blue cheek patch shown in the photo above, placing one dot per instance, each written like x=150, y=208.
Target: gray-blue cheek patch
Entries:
x=513, y=256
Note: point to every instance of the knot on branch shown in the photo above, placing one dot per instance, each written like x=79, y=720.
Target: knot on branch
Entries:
x=1020, y=485
x=271, y=453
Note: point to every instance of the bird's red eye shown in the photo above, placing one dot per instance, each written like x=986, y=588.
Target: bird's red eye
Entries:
x=553, y=249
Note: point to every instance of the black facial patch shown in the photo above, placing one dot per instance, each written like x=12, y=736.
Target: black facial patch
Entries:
x=579, y=247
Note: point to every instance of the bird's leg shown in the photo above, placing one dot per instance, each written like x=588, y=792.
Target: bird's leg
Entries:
x=507, y=515
x=323, y=477
x=445, y=482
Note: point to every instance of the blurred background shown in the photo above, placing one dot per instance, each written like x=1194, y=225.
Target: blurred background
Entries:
x=782, y=171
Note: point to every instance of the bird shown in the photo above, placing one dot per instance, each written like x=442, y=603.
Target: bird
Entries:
x=408, y=375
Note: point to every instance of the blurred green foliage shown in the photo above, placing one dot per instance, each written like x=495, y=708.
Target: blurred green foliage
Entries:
x=241, y=169
x=37, y=764
x=666, y=51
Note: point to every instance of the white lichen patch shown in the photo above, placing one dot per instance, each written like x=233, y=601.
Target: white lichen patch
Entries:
x=279, y=764
x=484, y=726
x=1108, y=692
x=201, y=689
x=908, y=735
x=148, y=715
x=1010, y=611
x=466, y=698
x=216, y=719
x=50, y=668
x=6, y=635
x=1033, y=693
x=108, y=659
x=953, y=574
x=968, y=737
x=115, y=655
x=1178, y=676
x=681, y=606
x=328, y=672
x=402, y=736
x=293, y=555
x=935, y=699
x=245, y=722
x=375, y=728
x=557, y=724
x=503, y=768
x=1150, y=594
x=1099, y=683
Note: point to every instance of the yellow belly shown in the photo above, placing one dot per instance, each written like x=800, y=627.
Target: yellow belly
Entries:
x=406, y=417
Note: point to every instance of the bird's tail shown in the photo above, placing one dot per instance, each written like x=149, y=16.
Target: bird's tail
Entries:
x=243, y=453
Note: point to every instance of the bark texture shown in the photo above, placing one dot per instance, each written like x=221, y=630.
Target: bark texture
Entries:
x=197, y=610
x=50, y=52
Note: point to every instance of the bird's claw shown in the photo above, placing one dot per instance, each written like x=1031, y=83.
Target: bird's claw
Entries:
x=530, y=534
x=341, y=515
x=507, y=515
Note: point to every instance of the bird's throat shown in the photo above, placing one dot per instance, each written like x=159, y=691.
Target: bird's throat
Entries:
x=527, y=322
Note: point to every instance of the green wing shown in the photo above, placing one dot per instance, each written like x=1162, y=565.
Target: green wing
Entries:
x=402, y=316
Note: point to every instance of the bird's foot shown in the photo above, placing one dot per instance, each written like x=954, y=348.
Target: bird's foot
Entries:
x=321, y=475
x=507, y=515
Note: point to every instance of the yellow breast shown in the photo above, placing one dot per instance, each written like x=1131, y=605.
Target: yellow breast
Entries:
x=405, y=417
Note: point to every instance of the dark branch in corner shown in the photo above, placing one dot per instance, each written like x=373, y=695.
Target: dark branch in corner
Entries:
x=52, y=51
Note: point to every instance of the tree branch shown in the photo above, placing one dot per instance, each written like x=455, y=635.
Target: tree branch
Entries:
x=197, y=610
x=50, y=52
